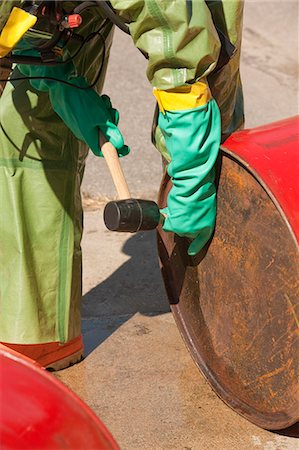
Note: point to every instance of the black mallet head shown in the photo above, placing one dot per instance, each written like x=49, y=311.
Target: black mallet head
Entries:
x=131, y=215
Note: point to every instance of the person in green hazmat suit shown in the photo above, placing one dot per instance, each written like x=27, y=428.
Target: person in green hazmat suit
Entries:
x=50, y=115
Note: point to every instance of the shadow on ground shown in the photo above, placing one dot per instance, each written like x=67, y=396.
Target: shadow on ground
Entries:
x=292, y=431
x=135, y=287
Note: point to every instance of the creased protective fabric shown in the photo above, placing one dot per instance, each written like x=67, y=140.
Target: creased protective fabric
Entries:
x=192, y=138
x=225, y=85
x=178, y=38
x=41, y=168
x=181, y=43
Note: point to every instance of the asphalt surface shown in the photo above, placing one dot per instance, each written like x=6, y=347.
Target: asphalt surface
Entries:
x=137, y=375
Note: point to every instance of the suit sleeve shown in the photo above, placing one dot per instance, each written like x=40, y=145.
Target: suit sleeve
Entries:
x=177, y=37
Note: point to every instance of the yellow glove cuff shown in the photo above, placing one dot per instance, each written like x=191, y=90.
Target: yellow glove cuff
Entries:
x=183, y=97
x=16, y=26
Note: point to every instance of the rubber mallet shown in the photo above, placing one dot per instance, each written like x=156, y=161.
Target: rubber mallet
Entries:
x=126, y=214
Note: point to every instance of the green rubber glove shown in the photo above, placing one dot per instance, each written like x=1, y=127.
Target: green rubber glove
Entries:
x=192, y=138
x=83, y=111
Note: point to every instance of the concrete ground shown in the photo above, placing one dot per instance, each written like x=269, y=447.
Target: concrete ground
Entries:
x=137, y=375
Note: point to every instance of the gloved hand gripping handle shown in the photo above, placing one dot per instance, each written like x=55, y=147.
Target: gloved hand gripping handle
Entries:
x=126, y=214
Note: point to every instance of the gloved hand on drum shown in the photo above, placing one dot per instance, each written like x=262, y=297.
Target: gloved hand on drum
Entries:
x=189, y=119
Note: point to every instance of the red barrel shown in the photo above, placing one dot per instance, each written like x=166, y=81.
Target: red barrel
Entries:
x=40, y=413
x=271, y=153
x=237, y=303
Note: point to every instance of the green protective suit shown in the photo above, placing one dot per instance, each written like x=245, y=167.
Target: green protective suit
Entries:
x=42, y=162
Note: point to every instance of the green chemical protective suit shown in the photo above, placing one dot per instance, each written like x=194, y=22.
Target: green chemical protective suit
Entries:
x=43, y=149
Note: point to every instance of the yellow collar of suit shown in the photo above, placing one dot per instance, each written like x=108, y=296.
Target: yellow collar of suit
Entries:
x=16, y=26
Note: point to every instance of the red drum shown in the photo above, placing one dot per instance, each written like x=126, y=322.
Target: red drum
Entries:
x=40, y=413
x=237, y=303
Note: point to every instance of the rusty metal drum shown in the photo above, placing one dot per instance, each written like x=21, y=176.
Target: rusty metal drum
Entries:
x=237, y=303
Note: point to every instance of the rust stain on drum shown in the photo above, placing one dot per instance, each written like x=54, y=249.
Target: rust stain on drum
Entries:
x=236, y=304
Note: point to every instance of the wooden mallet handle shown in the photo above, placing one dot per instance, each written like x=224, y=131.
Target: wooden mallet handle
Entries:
x=112, y=160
